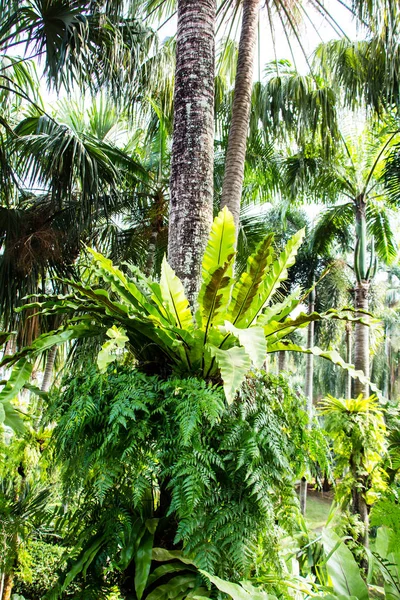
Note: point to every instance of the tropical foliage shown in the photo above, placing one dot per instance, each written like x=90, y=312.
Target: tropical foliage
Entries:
x=162, y=419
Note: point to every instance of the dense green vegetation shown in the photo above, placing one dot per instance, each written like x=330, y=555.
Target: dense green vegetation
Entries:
x=199, y=288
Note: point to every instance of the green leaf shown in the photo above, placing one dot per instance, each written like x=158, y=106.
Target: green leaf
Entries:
x=126, y=289
x=118, y=339
x=143, y=562
x=220, y=246
x=181, y=584
x=234, y=590
x=388, y=557
x=174, y=297
x=342, y=568
x=379, y=226
x=253, y=341
x=233, y=365
x=213, y=298
x=246, y=289
x=280, y=329
x=217, y=270
x=330, y=355
x=166, y=570
x=20, y=374
x=276, y=275
x=11, y=417
x=85, y=559
x=160, y=555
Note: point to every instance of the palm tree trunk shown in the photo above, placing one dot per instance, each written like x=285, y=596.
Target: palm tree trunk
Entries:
x=361, y=338
x=48, y=372
x=282, y=361
x=348, y=358
x=309, y=392
x=359, y=506
x=361, y=332
x=191, y=205
x=151, y=253
x=8, y=586
x=236, y=152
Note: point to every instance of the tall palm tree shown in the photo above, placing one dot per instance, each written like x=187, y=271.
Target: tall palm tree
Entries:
x=191, y=205
x=361, y=209
x=238, y=132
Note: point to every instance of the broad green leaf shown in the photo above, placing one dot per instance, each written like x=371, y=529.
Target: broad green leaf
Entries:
x=388, y=557
x=213, y=298
x=11, y=417
x=127, y=290
x=276, y=275
x=283, y=328
x=174, y=296
x=46, y=341
x=331, y=355
x=166, y=569
x=130, y=541
x=220, y=246
x=234, y=590
x=233, y=365
x=199, y=593
x=84, y=560
x=253, y=341
x=342, y=568
x=160, y=555
x=217, y=271
x=117, y=341
x=246, y=289
x=143, y=562
x=176, y=586
x=279, y=310
x=19, y=376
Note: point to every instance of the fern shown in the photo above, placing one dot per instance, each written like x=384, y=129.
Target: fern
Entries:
x=133, y=447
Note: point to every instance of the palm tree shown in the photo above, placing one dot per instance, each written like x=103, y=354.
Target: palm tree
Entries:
x=238, y=132
x=191, y=204
x=23, y=509
x=354, y=184
x=83, y=179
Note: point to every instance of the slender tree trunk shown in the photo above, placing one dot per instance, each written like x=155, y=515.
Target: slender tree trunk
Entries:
x=282, y=361
x=359, y=506
x=48, y=372
x=236, y=152
x=309, y=393
x=348, y=358
x=191, y=205
x=361, y=332
x=361, y=338
x=8, y=586
x=151, y=253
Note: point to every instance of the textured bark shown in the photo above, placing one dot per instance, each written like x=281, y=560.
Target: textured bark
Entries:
x=282, y=361
x=361, y=338
x=8, y=586
x=191, y=205
x=48, y=372
x=309, y=393
x=348, y=358
x=236, y=152
x=151, y=253
x=359, y=506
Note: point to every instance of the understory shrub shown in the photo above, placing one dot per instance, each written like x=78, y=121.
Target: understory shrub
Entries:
x=38, y=562
x=167, y=463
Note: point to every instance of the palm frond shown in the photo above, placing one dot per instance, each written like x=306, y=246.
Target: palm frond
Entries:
x=333, y=225
x=379, y=226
